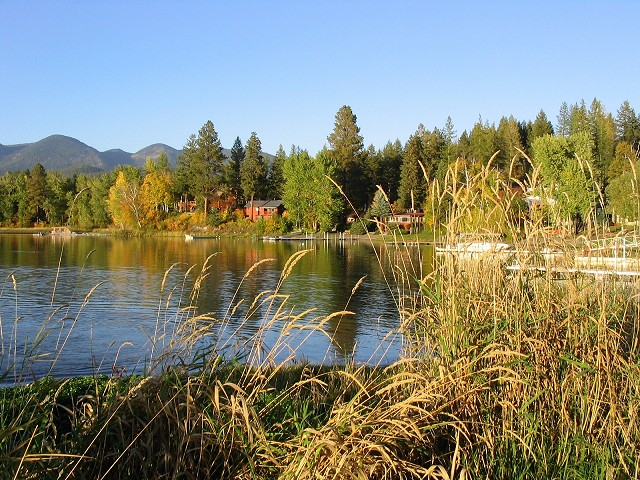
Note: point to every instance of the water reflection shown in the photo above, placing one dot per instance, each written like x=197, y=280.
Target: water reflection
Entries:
x=112, y=302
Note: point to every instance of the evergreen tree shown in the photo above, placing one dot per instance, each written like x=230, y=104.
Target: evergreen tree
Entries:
x=380, y=208
x=482, y=142
x=162, y=163
x=449, y=132
x=374, y=167
x=232, y=170
x=447, y=154
x=413, y=184
x=541, y=126
x=627, y=125
x=433, y=144
x=391, y=166
x=563, y=127
x=579, y=119
x=275, y=176
x=603, y=133
x=508, y=143
x=347, y=148
x=463, y=148
x=253, y=171
x=200, y=166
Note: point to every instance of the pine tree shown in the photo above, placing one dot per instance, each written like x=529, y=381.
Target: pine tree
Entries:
x=541, y=126
x=275, y=178
x=413, y=185
x=563, y=127
x=627, y=125
x=232, y=170
x=391, y=165
x=380, y=208
x=579, y=119
x=253, y=171
x=447, y=154
x=200, y=167
x=482, y=142
x=347, y=148
x=433, y=143
x=603, y=134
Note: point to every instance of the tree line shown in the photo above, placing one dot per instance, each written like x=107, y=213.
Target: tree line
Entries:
x=586, y=163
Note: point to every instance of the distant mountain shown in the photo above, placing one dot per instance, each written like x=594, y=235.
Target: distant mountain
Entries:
x=69, y=155
x=112, y=158
x=154, y=151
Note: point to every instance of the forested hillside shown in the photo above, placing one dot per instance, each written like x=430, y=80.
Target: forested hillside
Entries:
x=68, y=155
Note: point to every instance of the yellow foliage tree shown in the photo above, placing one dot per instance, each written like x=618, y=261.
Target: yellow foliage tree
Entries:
x=125, y=203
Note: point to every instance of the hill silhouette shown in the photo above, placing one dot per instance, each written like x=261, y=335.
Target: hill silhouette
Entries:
x=67, y=154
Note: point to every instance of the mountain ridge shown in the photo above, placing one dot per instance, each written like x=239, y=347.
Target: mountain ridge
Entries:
x=67, y=154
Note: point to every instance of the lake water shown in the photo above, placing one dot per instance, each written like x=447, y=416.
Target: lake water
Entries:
x=85, y=304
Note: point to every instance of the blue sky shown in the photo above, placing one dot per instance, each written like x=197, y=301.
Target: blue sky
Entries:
x=126, y=74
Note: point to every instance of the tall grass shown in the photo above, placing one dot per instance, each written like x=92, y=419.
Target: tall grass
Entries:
x=504, y=374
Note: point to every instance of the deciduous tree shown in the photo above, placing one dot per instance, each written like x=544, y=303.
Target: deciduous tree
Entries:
x=37, y=193
x=313, y=202
x=624, y=194
x=59, y=196
x=125, y=201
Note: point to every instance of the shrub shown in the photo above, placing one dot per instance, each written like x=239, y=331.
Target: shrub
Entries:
x=358, y=227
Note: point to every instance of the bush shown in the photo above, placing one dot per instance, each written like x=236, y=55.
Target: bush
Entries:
x=358, y=227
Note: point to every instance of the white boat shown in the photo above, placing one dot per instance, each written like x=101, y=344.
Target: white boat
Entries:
x=61, y=231
x=473, y=251
x=473, y=247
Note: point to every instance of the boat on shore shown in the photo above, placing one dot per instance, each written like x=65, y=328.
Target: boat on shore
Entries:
x=472, y=246
x=61, y=231
x=56, y=232
x=188, y=237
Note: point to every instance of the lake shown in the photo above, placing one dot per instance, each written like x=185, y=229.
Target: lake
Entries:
x=83, y=304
